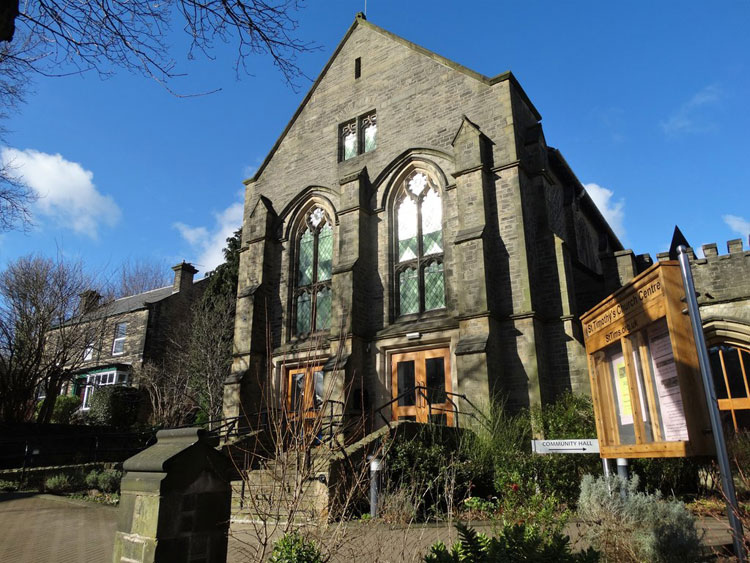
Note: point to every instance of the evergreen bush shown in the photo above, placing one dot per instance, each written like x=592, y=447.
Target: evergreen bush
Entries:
x=59, y=483
x=65, y=406
x=115, y=405
x=636, y=526
x=108, y=481
x=92, y=479
x=293, y=547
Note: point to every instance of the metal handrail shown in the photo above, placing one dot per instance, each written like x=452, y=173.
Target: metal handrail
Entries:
x=421, y=389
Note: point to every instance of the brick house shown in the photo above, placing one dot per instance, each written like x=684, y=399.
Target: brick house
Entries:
x=411, y=238
x=132, y=330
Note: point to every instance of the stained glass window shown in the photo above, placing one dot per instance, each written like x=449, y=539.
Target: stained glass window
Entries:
x=314, y=269
x=369, y=132
x=434, y=287
x=325, y=252
x=409, y=291
x=306, y=257
x=358, y=136
x=304, y=308
x=349, y=140
x=407, y=230
x=419, y=242
x=323, y=309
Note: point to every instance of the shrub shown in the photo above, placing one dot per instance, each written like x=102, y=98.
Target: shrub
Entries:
x=503, y=444
x=570, y=416
x=512, y=543
x=637, y=526
x=293, y=547
x=92, y=479
x=7, y=486
x=65, y=406
x=671, y=476
x=59, y=483
x=427, y=475
x=108, y=481
x=115, y=405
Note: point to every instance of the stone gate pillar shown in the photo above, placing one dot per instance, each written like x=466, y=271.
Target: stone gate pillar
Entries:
x=175, y=502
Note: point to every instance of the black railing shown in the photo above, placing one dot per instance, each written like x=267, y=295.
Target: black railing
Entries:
x=421, y=391
x=44, y=448
x=325, y=422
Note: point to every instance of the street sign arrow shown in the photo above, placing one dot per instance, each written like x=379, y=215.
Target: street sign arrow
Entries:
x=570, y=446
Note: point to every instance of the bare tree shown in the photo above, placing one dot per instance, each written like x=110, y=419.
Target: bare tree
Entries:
x=210, y=351
x=132, y=34
x=167, y=385
x=45, y=327
x=140, y=275
x=15, y=196
x=190, y=379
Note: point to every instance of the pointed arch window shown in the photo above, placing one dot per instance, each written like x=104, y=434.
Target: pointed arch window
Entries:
x=312, y=295
x=420, y=282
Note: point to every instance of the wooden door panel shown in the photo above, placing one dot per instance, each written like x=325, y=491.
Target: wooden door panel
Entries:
x=427, y=372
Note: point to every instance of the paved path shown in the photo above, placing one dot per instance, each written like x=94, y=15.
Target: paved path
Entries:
x=48, y=529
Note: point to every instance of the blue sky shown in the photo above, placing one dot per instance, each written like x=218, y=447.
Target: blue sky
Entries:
x=646, y=100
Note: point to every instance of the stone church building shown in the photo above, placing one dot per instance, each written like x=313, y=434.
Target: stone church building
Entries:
x=412, y=244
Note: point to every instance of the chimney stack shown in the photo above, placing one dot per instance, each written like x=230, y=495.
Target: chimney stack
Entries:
x=183, y=276
x=89, y=300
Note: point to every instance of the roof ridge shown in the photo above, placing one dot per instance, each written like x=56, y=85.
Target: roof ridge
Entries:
x=143, y=292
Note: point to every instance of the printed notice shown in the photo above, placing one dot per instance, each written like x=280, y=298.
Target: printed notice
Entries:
x=667, y=382
x=622, y=389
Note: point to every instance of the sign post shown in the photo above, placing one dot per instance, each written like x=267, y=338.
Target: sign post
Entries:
x=713, y=410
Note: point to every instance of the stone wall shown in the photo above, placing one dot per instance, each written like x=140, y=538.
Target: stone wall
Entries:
x=723, y=281
x=518, y=229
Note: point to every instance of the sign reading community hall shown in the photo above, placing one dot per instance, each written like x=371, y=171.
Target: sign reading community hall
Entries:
x=645, y=379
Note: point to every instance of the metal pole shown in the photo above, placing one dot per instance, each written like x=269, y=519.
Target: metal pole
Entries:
x=622, y=472
x=375, y=466
x=713, y=410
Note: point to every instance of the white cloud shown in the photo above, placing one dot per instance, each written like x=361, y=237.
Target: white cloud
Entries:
x=613, y=211
x=208, y=243
x=194, y=235
x=738, y=224
x=689, y=117
x=66, y=190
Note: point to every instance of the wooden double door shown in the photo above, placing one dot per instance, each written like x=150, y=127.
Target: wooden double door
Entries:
x=305, y=399
x=421, y=383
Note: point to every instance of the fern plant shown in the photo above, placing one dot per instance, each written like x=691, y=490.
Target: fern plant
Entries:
x=513, y=543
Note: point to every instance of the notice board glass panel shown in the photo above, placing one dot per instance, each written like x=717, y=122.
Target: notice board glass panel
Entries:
x=666, y=383
x=615, y=362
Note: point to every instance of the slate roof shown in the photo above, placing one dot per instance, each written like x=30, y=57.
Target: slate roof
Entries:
x=140, y=300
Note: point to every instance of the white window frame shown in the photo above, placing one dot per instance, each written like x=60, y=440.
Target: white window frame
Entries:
x=100, y=379
x=88, y=352
x=120, y=340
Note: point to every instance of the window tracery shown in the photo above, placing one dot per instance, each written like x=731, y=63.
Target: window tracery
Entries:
x=312, y=294
x=420, y=280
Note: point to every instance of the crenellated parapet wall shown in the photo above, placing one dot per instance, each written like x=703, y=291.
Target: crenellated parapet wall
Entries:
x=722, y=280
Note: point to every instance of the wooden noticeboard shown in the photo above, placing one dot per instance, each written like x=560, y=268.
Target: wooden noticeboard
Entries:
x=643, y=365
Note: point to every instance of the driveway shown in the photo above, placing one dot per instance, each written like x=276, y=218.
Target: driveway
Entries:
x=39, y=528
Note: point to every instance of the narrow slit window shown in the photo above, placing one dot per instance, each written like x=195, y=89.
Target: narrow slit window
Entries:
x=357, y=67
